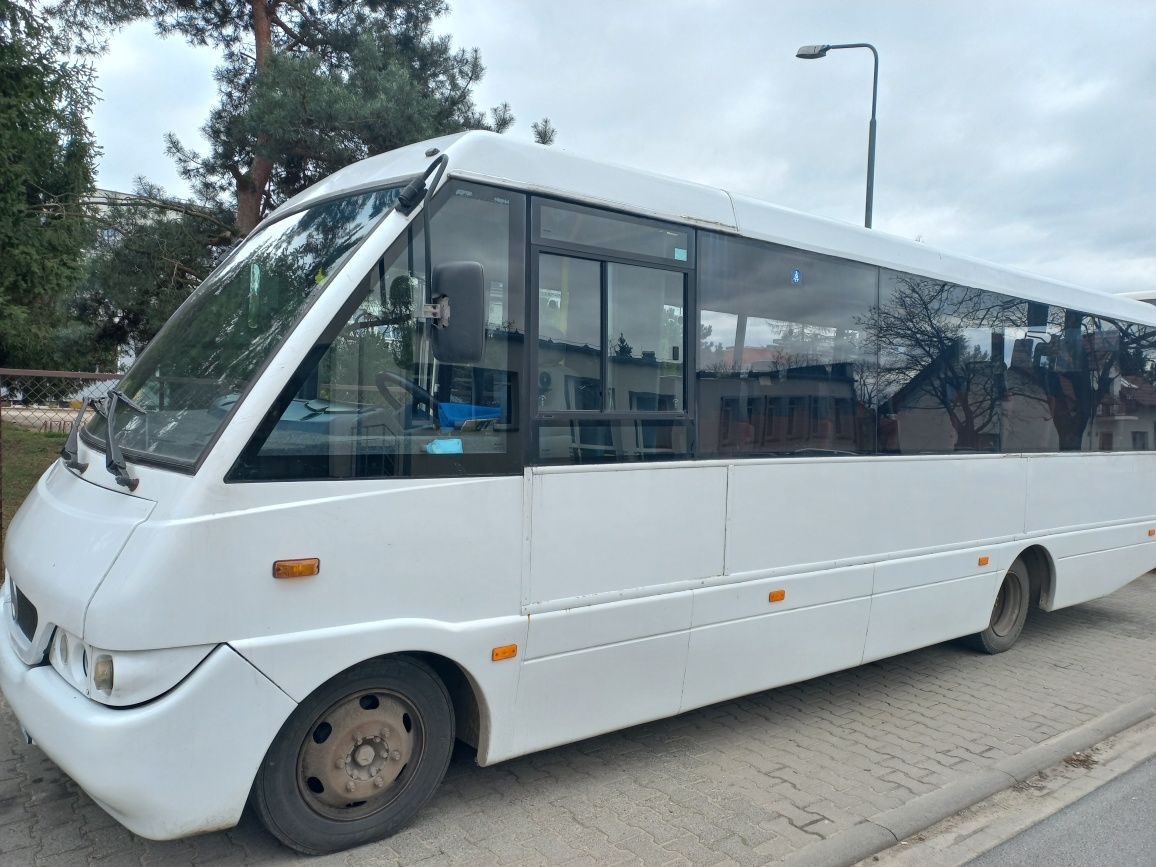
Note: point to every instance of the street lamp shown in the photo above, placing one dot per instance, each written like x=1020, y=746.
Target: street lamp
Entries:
x=814, y=52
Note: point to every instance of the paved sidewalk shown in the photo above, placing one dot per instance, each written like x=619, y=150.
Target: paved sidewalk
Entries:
x=745, y=782
x=1055, y=795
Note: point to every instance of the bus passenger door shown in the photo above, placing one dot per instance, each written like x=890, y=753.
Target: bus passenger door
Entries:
x=620, y=529
x=614, y=555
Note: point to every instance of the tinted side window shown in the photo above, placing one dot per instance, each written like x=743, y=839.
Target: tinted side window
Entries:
x=952, y=370
x=1135, y=400
x=1085, y=382
x=785, y=363
x=567, y=225
x=569, y=334
x=1097, y=374
x=611, y=343
x=975, y=371
x=373, y=399
x=645, y=316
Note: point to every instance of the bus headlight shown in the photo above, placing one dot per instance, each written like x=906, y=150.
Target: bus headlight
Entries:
x=122, y=677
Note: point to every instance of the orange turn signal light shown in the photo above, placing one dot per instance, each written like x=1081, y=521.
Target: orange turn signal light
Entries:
x=983, y=561
x=1152, y=532
x=296, y=568
x=506, y=651
x=777, y=596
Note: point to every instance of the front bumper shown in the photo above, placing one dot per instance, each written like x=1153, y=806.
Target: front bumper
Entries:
x=179, y=765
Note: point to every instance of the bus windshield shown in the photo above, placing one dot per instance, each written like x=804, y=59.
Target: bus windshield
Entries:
x=192, y=373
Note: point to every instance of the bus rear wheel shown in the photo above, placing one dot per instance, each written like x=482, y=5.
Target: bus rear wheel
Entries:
x=1008, y=613
x=358, y=758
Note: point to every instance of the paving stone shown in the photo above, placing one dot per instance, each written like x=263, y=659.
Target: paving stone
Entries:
x=16, y=835
x=60, y=859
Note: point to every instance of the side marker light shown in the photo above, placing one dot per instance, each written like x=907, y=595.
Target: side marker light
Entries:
x=506, y=651
x=1151, y=532
x=983, y=561
x=296, y=568
x=102, y=673
x=777, y=596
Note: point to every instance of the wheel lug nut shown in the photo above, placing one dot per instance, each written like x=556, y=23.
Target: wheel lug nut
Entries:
x=349, y=787
x=379, y=782
x=395, y=755
x=385, y=732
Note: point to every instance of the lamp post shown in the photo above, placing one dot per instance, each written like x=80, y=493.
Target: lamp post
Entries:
x=814, y=52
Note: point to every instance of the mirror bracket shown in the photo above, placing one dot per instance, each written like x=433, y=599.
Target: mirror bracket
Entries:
x=439, y=311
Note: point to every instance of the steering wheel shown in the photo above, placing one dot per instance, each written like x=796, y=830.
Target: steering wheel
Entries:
x=384, y=379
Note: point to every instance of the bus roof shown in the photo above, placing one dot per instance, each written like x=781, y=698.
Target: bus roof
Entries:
x=491, y=158
x=1148, y=295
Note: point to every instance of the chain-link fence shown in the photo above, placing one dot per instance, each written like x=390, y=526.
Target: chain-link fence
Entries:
x=47, y=400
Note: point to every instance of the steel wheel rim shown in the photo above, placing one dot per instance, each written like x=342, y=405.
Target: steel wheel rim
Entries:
x=1007, y=605
x=358, y=756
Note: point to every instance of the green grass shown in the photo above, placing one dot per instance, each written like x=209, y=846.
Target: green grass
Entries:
x=24, y=455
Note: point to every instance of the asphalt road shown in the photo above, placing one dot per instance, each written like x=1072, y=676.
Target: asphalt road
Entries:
x=1113, y=826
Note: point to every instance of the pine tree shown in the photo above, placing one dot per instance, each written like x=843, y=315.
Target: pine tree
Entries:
x=305, y=89
x=309, y=87
x=544, y=131
x=46, y=169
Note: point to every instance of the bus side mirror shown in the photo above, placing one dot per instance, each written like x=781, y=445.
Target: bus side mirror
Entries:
x=459, y=332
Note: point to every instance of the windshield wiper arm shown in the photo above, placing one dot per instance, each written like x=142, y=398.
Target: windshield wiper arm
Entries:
x=71, y=450
x=416, y=191
x=114, y=460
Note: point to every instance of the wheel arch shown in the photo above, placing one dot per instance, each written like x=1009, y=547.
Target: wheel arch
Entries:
x=482, y=691
x=471, y=713
x=1041, y=575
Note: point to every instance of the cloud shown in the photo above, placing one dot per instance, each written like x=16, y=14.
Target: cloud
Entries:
x=1019, y=133
x=149, y=86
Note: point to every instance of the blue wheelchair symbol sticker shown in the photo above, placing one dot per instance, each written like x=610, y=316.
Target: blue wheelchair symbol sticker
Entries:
x=796, y=276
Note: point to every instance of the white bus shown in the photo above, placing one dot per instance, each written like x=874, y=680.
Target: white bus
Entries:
x=537, y=448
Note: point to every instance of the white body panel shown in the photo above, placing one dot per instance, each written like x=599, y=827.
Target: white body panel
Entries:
x=1069, y=492
x=735, y=657
x=631, y=591
x=392, y=549
x=649, y=527
x=576, y=695
x=908, y=619
x=870, y=507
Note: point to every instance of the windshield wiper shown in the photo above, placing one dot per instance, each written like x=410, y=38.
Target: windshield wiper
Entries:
x=71, y=450
x=113, y=457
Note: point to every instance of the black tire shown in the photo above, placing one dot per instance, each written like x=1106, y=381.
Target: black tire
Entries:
x=1009, y=612
x=331, y=779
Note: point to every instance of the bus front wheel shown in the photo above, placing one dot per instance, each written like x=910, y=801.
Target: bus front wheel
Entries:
x=358, y=758
x=1008, y=613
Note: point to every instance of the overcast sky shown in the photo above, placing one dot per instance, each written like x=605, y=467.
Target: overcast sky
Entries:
x=1023, y=133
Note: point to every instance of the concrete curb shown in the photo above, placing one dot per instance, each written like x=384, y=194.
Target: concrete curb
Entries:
x=886, y=829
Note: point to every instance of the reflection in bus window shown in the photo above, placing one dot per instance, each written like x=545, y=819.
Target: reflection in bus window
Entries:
x=646, y=338
x=784, y=363
x=963, y=369
x=374, y=400
x=569, y=334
